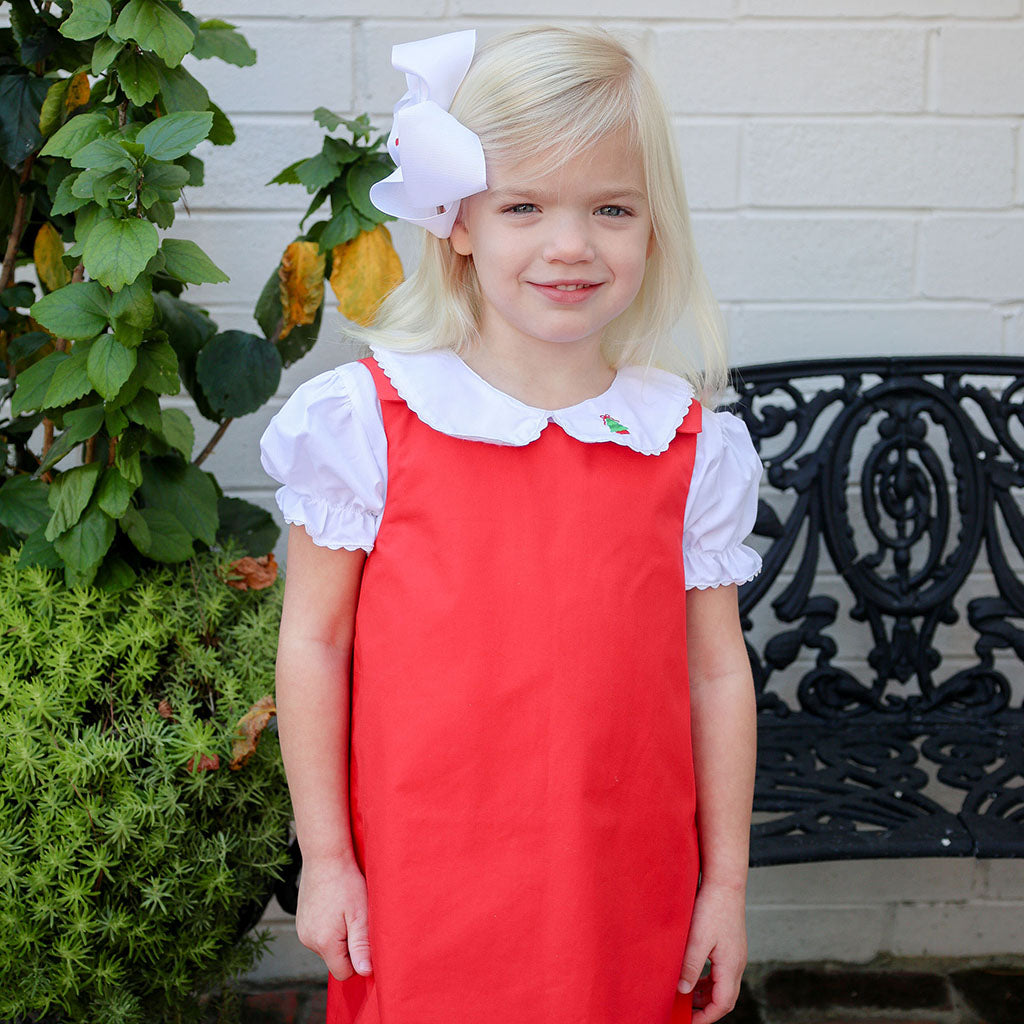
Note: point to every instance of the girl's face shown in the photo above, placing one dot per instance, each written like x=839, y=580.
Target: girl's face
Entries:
x=558, y=255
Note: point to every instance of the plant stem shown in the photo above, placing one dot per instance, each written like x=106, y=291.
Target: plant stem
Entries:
x=20, y=216
x=212, y=443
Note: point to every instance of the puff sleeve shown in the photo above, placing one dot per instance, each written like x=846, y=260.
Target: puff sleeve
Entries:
x=722, y=504
x=326, y=446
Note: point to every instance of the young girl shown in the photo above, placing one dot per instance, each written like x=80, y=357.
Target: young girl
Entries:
x=514, y=701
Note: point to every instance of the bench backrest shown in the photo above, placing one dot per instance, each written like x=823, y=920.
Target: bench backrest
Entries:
x=892, y=532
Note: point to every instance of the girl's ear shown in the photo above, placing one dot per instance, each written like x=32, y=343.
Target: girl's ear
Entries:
x=460, y=234
x=650, y=244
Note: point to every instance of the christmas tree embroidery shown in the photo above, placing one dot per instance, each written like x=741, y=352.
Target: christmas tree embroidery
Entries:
x=614, y=425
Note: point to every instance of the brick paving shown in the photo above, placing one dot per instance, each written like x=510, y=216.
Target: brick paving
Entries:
x=884, y=992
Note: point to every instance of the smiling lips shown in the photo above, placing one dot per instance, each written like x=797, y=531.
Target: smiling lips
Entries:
x=567, y=292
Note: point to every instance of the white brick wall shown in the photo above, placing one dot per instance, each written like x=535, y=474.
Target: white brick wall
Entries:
x=856, y=170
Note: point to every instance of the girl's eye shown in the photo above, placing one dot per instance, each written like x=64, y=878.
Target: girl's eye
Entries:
x=520, y=208
x=615, y=211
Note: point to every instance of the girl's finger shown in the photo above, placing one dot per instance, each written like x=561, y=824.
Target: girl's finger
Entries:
x=694, y=959
x=723, y=991
x=338, y=964
x=359, y=945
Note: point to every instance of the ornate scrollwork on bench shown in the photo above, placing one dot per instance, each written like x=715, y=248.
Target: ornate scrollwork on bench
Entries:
x=884, y=630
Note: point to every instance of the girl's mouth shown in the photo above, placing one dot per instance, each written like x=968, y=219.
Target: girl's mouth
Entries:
x=567, y=292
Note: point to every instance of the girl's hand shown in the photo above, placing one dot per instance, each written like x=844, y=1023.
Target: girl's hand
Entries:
x=717, y=932
x=331, y=918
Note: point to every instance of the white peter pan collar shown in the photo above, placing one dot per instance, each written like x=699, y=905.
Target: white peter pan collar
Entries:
x=641, y=409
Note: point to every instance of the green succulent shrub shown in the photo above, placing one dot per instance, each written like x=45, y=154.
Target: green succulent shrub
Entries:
x=132, y=854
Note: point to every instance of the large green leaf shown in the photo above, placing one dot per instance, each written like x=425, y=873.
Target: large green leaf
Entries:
x=177, y=430
x=37, y=550
x=114, y=493
x=219, y=39
x=53, y=106
x=137, y=73
x=109, y=365
x=80, y=130
x=21, y=102
x=64, y=201
x=34, y=382
x=166, y=178
x=155, y=27
x=174, y=135
x=89, y=18
x=70, y=380
x=158, y=365
x=144, y=409
x=168, y=539
x=69, y=494
x=341, y=228
x=317, y=172
x=78, y=310
x=117, y=251
x=181, y=91
x=134, y=303
x=187, y=262
x=104, y=52
x=114, y=574
x=238, y=372
x=188, y=329
x=360, y=177
x=251, y=526
x=79, y=424
x=23, y=505
x=103, y=154
x=222, y=133
x=84, y=545
x=185, y=491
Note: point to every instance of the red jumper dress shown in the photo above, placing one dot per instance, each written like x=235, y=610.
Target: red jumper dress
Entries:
x=522, y=790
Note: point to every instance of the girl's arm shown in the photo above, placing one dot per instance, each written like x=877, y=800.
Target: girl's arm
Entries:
x=724, y=729
x=313, y=666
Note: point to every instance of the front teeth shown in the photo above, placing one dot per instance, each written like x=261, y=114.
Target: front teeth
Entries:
x=570, y=287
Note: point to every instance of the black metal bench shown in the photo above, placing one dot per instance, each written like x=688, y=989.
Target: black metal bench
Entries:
x=884, y=630
x=889, y=526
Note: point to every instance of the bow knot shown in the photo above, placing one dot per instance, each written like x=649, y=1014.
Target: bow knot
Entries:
x=441, y=160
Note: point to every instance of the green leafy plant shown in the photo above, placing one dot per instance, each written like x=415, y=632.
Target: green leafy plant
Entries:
x=351, y=248
x=98, y=120
x=139, y=833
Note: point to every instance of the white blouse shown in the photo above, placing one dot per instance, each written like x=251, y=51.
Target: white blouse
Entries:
x=327, y=447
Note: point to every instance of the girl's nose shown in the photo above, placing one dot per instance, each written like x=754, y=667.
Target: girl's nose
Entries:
x=569, y=241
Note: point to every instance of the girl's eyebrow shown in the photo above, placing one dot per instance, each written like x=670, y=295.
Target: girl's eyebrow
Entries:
x=511, y=192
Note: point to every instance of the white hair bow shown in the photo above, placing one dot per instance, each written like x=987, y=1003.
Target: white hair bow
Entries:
x=440, y=161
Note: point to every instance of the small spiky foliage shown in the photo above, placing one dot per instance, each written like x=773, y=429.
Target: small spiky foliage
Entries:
x=128, y=866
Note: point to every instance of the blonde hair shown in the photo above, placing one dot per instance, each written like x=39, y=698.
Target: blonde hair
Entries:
x=579, y=86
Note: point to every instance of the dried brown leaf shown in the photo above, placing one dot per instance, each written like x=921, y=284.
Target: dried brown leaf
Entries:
x=253, y=573
x=206, y=763
x=78, y=92
x=250, y=725
x=302, y=284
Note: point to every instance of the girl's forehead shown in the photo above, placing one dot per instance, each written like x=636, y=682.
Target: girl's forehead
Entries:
x=606, y=164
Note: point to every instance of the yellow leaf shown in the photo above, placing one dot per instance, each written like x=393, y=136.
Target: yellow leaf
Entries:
x=302, y=284
x=363, y=271
x=250, y=725
x=47, y=253
x=78, y=92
